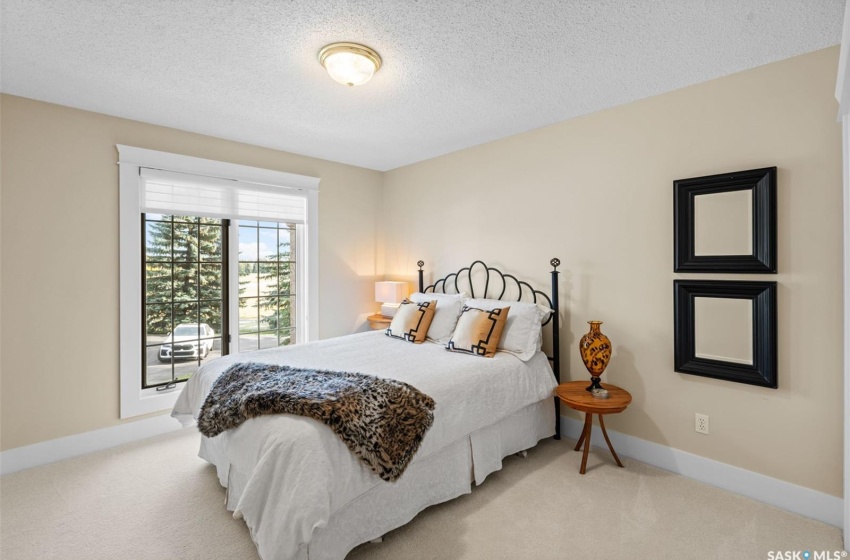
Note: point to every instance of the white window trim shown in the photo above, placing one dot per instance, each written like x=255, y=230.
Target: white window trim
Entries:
x=136, y=401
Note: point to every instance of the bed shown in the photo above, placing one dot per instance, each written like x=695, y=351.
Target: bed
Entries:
x=304, y=495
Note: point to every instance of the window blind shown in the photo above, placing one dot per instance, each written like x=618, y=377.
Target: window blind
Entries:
x=169, y=192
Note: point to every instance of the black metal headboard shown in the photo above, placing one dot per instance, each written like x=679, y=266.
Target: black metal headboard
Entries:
x=466, y=279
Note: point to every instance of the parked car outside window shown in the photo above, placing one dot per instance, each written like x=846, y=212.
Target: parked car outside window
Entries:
x=183, y=342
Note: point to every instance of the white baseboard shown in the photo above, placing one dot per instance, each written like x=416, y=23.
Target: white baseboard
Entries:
x=797, y=499
x=20, y=458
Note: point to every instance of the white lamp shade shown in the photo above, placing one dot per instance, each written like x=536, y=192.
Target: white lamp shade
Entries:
x=390, y=292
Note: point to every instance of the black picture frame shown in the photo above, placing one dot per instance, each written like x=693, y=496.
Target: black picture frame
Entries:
x=763, y=371
x=762, y=183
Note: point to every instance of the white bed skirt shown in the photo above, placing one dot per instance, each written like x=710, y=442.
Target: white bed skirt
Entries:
x=440, y=477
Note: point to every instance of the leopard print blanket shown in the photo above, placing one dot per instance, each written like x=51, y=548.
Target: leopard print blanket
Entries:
x=382, y=421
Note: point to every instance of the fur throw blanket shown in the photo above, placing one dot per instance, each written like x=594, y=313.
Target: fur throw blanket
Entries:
x=382, y=421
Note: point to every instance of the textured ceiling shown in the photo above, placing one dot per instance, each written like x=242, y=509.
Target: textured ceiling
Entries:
x=456, y=73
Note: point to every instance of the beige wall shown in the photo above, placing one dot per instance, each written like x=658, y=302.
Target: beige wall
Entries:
x=597, y=192
x=59, y=231
x=594, y=191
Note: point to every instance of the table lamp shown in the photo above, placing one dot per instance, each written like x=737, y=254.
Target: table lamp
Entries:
x=390, y=295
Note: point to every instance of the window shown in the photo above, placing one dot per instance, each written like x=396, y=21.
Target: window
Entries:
x=185, y=296
x=267, y=280
x=211, y=255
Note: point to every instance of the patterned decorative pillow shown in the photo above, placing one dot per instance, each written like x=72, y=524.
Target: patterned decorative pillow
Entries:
x=522, y=336
x=412, y=320
x=448, y=310
x=478, y=331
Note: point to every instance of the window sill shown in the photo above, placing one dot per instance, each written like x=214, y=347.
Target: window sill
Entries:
x=149, y=400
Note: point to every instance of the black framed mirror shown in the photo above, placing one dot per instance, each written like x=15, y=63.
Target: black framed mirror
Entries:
x=726, y=330
x=726, y=222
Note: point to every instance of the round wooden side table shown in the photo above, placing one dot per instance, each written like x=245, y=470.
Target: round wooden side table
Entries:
x=576, y=396
x=378, y=322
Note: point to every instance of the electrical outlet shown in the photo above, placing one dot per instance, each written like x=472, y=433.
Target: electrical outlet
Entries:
x=701, y=423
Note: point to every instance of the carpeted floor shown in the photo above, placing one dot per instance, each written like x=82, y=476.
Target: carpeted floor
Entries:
x=156, y=499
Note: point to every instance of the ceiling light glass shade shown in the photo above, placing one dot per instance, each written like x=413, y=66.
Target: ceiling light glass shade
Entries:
x=349, y=63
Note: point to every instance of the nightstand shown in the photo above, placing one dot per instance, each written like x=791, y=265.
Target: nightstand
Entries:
x=378, y=322
x=574, y=394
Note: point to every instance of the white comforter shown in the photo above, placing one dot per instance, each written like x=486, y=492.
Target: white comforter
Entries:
x=299, y=472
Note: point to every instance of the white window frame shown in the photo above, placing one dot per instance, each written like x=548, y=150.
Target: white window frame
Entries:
x=136, y=401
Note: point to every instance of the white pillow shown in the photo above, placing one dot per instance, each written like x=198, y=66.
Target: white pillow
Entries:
x=449, y=307
x=522, y=334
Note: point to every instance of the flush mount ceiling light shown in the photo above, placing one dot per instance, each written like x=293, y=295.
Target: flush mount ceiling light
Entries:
x=349, y=63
